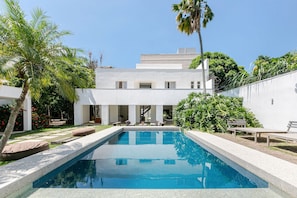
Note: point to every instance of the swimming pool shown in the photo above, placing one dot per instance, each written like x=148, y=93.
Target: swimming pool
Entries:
x=150, y=160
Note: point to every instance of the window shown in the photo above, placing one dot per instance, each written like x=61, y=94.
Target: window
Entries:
x=192, y=84
x=121, y=85
x=120, y=162
x=145, y=85
x=198, y=84
x=169, y=85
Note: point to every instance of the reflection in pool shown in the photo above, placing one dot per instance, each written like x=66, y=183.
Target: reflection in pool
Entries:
x=151, y=160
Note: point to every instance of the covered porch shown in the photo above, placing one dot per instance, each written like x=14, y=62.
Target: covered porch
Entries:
x=135, y=114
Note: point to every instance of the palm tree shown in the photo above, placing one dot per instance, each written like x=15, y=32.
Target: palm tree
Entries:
x=190, y=14
x=32, y=52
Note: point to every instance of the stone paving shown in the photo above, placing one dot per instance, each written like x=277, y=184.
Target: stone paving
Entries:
x=47, y=136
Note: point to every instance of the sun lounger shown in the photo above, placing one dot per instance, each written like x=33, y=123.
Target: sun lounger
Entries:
x=116, y=124
x=239, y=125
x=256, y=131
x=233, y=125
x=289, y=136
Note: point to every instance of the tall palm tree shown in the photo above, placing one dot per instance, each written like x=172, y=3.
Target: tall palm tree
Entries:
x=32, y=52
x=190, y=15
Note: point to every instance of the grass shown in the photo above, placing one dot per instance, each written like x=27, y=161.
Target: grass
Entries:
x=13, y=136
x=2, y=163
x=46, y=130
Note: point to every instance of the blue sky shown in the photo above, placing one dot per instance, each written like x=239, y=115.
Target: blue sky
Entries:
x=122, y=30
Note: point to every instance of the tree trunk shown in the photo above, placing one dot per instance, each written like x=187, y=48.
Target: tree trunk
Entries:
x=13, y=115
x=202, y=62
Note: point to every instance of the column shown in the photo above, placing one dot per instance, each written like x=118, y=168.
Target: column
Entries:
x=132, y=114
x=27, y=114
x=105, y=114
x=159, y=113
x=78, y=114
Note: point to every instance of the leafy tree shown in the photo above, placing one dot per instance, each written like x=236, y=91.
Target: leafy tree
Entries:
x=222, y=68
x=210, y=113
x=266, y=67
x=52, y=103
x=190, y=14
x=32, y=52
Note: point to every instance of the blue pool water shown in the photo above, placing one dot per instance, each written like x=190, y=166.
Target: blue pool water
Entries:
x=150, y=160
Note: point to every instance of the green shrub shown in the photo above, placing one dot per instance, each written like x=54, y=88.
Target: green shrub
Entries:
x=39, y=121
x=4, y=116
x=211, y=113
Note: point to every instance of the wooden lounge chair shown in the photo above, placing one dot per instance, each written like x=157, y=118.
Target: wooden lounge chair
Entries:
x=240, y=126
x=289, y=136
x=233, y=125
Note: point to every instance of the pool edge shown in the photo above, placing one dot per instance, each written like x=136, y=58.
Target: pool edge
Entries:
x=278, y=173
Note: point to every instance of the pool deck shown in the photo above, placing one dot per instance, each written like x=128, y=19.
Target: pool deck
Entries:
x=17, y=177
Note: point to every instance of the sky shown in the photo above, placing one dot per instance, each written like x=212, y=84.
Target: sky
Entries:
x=122, y=30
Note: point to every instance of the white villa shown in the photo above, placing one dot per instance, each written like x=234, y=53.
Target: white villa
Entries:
x=148, y=93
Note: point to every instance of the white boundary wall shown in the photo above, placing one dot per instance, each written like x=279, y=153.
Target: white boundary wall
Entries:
x=273, y=100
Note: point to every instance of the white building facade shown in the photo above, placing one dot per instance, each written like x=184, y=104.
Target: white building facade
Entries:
x=148, y=93
x=9, y=94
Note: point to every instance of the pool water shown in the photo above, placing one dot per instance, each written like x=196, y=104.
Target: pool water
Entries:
x=151, y=160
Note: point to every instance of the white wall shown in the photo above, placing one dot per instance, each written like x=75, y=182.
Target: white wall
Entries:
x=9, y=94
x=273, y=101
x=106, y=78
x=133, y=96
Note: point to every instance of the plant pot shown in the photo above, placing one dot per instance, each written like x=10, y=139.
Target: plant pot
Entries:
x=97, y=120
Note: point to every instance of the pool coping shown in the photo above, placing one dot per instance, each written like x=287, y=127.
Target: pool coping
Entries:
x=19, y=175
x=280, y=174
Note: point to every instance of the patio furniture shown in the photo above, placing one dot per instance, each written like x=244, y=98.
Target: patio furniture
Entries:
x=233, y=125
x=116, y=124
x=256, y=131
x=23, y=149
x=289, y=136
x=83, y=131
x=239, y=125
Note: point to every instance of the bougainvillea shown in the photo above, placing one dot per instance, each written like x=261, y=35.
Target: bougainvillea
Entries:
x=38, y=121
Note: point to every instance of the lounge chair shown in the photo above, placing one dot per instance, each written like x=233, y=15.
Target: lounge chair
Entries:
x=289, y=136
x=233, y=125
x=117, y=123
x=250, y=130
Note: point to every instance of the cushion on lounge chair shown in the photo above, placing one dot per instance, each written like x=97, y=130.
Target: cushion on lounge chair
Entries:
x=83, y=131
x=22, y=149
